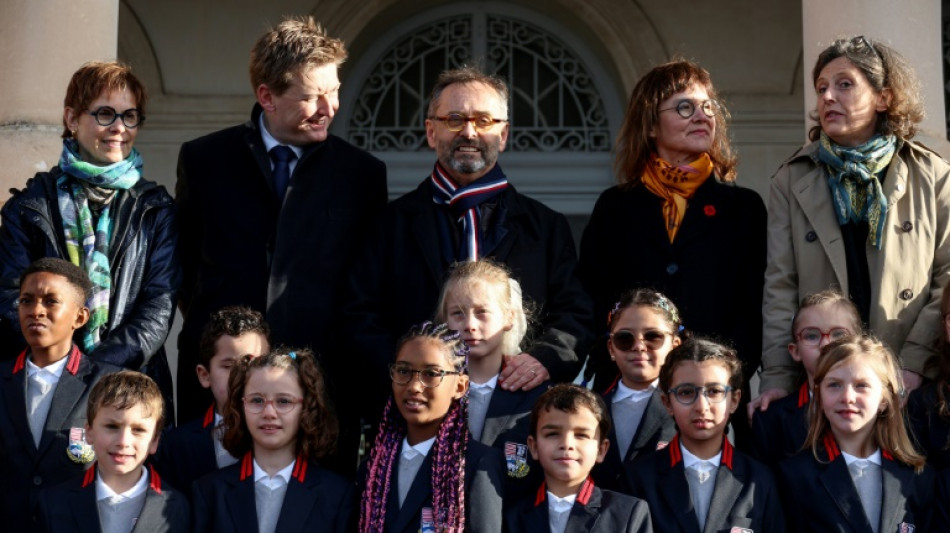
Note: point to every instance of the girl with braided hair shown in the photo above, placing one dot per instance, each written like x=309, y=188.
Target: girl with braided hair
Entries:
x=425, y=473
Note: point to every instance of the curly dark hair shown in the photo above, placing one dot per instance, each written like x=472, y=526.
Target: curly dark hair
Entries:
x=697, y=350
x=234, y=321
x=318, y=431
x=75, y=276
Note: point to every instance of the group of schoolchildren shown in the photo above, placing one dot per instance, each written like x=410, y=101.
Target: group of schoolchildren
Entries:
x=453, y=451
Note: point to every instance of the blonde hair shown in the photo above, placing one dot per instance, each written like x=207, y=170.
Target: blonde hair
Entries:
x=293, y=45
x=463, y=276
x=890, y=433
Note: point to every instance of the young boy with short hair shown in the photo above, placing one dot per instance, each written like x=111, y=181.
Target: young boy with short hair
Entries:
x=119, y=494
x=194, y=449
x=569, y=428
x=43, y=391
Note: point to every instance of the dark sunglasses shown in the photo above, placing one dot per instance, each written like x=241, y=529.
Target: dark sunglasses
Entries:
x=652, y=338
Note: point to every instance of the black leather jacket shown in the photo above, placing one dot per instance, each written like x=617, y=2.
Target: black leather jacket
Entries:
x=145, y=269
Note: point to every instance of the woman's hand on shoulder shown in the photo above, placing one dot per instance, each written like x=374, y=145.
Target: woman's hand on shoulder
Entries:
x=763, y=400
x=522, y=372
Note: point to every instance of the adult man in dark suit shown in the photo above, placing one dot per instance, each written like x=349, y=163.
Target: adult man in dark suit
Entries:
x=270, y=210
x=465, y=210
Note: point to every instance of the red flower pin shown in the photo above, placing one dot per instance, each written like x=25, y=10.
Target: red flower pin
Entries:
x=709, y=210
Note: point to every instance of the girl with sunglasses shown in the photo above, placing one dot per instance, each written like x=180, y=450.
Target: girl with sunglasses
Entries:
x=279, y=421
x=700, y=482
x=425, y=472
x=644, y=327
x=822, y=318
x=859, y=470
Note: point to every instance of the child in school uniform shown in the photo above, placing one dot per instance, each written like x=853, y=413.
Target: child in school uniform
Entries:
x=279, y=423
x=483, y=303
x=425, y=472
x=118, y=494
x=700, y=482
x=43, y=391
x=859, y=471
x=193, y=450
x=644, y=327
x=569, y=425
x=822, y=317
x=928, y=409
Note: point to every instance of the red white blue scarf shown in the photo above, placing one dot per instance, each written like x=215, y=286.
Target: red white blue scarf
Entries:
x=464, y=203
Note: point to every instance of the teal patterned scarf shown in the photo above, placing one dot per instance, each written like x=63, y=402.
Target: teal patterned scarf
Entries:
x=853, y=179
x=88, y=248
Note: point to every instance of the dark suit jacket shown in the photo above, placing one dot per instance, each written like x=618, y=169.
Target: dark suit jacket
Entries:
x=930, y=431
x=713, y=271
x=595, y=511
x=72, y=507
x=820, y=496
x=745, y=494
x=316, y=500
x=657, y=428
x=26, y=468
x=395, y=282
x=241, y=246
x=186, y=453
x=780, y=432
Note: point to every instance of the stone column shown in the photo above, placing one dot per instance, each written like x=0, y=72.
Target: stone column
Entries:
x=912, y=28
x=43, y=43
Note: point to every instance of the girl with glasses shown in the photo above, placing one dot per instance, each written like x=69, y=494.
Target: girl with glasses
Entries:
x=822, y=318
x=280, y=424
x=928, y=408
x=700, y=482
x=859, y=470
x=644, y=327
x=676, y=221
x=425, y=472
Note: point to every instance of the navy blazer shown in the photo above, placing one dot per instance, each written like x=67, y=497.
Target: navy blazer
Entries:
x=72, y=507
x=508, y=421
x=819, y=495
x=780, y=432
x=317, y=500
x=930, y=431
x=594, y=510
x=26, y=468
x=397, y=277
x=745, y=495
x=186, y=453
x=657, y=428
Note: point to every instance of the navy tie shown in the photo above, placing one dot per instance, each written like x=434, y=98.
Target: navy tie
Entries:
x=282, y=156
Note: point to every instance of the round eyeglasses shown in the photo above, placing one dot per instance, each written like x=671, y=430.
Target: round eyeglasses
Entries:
x=688, y=394
x=813, y=336
x=457, y=121
x=624, y=340
x=106, y=115
x=284, y=403
x=429, y=377
x=686, y=108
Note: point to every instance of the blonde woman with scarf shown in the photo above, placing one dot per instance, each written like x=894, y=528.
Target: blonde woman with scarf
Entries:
x=862, y=208
x=96, y=210
x=676, y=222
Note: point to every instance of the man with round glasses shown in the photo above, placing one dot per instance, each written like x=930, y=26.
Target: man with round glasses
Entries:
x=464, y=210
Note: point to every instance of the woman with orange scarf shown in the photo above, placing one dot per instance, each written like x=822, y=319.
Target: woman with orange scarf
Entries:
x=676, y=222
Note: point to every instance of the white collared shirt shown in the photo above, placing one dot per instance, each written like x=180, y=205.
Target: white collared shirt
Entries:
x=873, y=458
x=624, y=392
x=48, y=374
x=559, y=510
x=282, y=477
x=222, y=457
x=408, y=451
x=490, y=384
x=270, y=142
x=104, y=492
x=690, y=459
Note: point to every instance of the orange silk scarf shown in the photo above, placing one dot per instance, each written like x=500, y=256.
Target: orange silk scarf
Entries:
x=675, y=185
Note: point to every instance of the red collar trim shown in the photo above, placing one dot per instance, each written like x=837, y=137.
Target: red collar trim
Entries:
x=803, y=395
x=154, y=481
x=676, y=455
x=613, y=385
x=583, y=495
x=542, y=495
x=300, y=469
x=209, y=417
x=726, y=453
x=72, y=365
x=831, y=446
x=89, y=476
x=247, y=466
x=887, y=455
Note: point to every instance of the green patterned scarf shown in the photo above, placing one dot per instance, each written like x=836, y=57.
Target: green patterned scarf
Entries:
x=853, y=179
x=88, y=248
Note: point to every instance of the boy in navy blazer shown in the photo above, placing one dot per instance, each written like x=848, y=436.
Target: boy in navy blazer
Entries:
x=192, y=450
x=43, y=391
x=569, y=425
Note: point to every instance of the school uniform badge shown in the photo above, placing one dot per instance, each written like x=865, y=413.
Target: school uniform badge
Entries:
x=516, y=457
x=738, y=529
x=906, y=528
x=427, y=522
x=77, y=450
x=662, y=444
